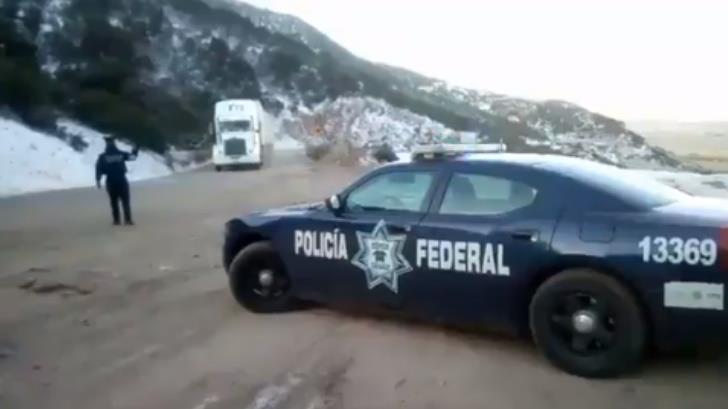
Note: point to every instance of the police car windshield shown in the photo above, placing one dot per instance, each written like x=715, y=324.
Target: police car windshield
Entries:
x=235, y=126
x=630, y=186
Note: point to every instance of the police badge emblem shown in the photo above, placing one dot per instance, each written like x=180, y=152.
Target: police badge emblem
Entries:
x=380, y=256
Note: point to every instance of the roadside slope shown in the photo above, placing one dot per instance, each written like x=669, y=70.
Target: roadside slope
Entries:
x=31, y=161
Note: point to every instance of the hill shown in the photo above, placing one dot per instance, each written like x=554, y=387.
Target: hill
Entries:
x=150, y=70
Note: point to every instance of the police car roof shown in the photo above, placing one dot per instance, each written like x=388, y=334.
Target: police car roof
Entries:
x=611, y=179
x=580, y=169
x=551, y=162
x=567, y=165
x=545, y=161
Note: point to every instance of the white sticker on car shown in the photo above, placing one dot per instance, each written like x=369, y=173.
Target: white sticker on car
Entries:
x=694, y=295
x=677, y=250
x=330, y=245
x=462, y=256
x=380, y=254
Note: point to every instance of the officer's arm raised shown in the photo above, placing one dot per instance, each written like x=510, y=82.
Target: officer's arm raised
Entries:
x=134, y=154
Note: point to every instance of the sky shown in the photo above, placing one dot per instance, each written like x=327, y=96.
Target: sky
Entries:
x=635, y=60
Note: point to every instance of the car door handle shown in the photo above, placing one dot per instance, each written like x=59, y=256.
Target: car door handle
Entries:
x=525, y=235
x=399, y=228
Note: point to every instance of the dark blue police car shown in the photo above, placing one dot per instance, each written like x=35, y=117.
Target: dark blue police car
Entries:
x=595, y=263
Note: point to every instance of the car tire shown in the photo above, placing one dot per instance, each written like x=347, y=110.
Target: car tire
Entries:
x=218, y=168
x=245, y=280
x=588, y=324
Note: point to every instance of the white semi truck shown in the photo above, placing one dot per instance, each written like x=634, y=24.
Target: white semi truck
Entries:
x=242, y=129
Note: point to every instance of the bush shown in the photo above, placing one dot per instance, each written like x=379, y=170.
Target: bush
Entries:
x=127, y=119
x=22, y=87
x=41, y=117
x=102, y=42
x=77, y=143
x=317, y=152
x=107, y=76
x=15, y=46
x=384, y=153
x=283, y=66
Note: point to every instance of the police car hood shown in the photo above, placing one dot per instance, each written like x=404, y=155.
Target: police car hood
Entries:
x=291, y=210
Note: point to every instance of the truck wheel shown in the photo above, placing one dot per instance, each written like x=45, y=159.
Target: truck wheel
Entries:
x=218, y=168
x=588, y=324
x=258, y=279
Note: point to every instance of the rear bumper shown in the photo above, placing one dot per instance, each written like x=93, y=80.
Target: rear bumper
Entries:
x=252, y=157
x=234, y=230
x=676, y=327
x=236, y=160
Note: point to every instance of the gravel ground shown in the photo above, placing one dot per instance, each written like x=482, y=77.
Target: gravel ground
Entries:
x=93, y=316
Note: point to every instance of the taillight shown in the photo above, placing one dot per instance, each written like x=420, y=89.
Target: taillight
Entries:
x=723, y=248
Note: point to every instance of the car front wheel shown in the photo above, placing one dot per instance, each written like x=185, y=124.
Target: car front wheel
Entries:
x=588, y=324
x=258, y=279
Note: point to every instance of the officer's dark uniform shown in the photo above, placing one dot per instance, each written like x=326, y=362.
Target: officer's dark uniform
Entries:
x=112, y=163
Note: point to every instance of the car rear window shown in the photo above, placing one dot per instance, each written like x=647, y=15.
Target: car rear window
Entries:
x=475, y=194
x=629, y=186
x=399, y=190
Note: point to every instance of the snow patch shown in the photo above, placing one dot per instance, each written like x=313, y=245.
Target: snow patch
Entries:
x=485, y=106
x=273, y=396
x=404, y=156
x=31, y=161
x=285, y=142
x=536, y=142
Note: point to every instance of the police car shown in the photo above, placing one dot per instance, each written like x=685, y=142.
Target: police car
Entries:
x=594, y=263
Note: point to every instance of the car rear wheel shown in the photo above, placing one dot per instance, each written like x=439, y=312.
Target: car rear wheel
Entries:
x=588, y=324
x=258, y=279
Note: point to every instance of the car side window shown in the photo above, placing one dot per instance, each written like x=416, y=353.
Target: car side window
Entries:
x=400, y=190
x=475, y=194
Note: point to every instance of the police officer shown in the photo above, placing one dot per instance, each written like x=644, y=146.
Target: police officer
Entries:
x=112, y=164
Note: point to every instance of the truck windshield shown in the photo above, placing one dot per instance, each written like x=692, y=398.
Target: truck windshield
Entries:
x=234, y=126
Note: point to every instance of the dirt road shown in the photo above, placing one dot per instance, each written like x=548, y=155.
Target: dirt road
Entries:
x=98, y=317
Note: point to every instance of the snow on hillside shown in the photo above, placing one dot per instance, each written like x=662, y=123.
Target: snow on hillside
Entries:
x=367, y=122
x=285, y=142
x=364, y=122
x=31, y=161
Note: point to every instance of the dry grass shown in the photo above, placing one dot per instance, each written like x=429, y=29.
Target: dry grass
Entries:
x=713, y=163
x=709, y=150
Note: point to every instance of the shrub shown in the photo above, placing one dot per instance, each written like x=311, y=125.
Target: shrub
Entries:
x=42, y=117
x=283, y=66
x=22, y=87
x=102, y=41
x=317, y=151
x=384, y=153
x=127, y=119
x=108, y=76
x=77, y=143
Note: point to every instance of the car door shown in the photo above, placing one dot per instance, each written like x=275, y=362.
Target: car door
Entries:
x=489, y=229
x=377, y=218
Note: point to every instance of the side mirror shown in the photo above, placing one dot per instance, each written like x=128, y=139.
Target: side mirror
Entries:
x=334, y=204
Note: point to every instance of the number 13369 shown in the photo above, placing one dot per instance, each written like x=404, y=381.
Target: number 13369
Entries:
x=676, y=250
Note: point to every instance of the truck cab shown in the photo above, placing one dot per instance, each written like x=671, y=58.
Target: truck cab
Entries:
x=239, y=128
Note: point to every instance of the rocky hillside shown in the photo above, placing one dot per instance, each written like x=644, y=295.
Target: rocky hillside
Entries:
x=149, y=70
